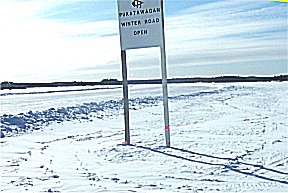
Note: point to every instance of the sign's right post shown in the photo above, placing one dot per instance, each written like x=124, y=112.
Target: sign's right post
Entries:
x=164, y=83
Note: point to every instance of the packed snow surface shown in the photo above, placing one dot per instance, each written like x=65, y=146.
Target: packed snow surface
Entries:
x=225, y=138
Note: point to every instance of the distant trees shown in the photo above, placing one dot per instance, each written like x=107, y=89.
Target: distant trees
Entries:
x=109, y=81
x=6, y=83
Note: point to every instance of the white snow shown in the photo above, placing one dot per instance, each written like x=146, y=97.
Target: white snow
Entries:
x=225, y=138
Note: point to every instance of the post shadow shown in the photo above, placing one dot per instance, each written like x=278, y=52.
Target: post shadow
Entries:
x=232, y=168
x=231, y=159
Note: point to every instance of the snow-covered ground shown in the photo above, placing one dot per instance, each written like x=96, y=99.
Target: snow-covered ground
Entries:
x=225, y=138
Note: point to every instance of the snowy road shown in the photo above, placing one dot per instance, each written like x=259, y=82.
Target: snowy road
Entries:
x=225, y=138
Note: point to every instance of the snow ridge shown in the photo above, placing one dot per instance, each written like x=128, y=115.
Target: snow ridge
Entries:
x=27, y=122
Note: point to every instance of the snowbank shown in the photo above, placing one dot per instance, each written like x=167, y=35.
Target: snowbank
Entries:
x=35, y=120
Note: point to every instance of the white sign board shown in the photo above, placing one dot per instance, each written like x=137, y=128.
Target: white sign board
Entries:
x=140, y=23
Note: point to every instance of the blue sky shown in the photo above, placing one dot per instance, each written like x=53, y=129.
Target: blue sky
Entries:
x=67, y=40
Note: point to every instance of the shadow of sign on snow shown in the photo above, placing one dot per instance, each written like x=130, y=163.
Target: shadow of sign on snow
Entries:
x=231, y=159
x=232, y=168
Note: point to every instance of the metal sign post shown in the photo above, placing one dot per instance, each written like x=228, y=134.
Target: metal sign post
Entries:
x=125, y=96
x=164, y=82
x=141, y=25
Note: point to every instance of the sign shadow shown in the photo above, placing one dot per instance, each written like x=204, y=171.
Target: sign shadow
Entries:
x=233, y=167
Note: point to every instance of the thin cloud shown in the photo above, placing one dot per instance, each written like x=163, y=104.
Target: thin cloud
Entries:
x=228, y=32
x=61, y=39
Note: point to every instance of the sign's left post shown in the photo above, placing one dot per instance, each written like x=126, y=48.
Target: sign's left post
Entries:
x=125, y=96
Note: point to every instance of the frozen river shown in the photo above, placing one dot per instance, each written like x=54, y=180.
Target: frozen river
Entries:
x=225, y=138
